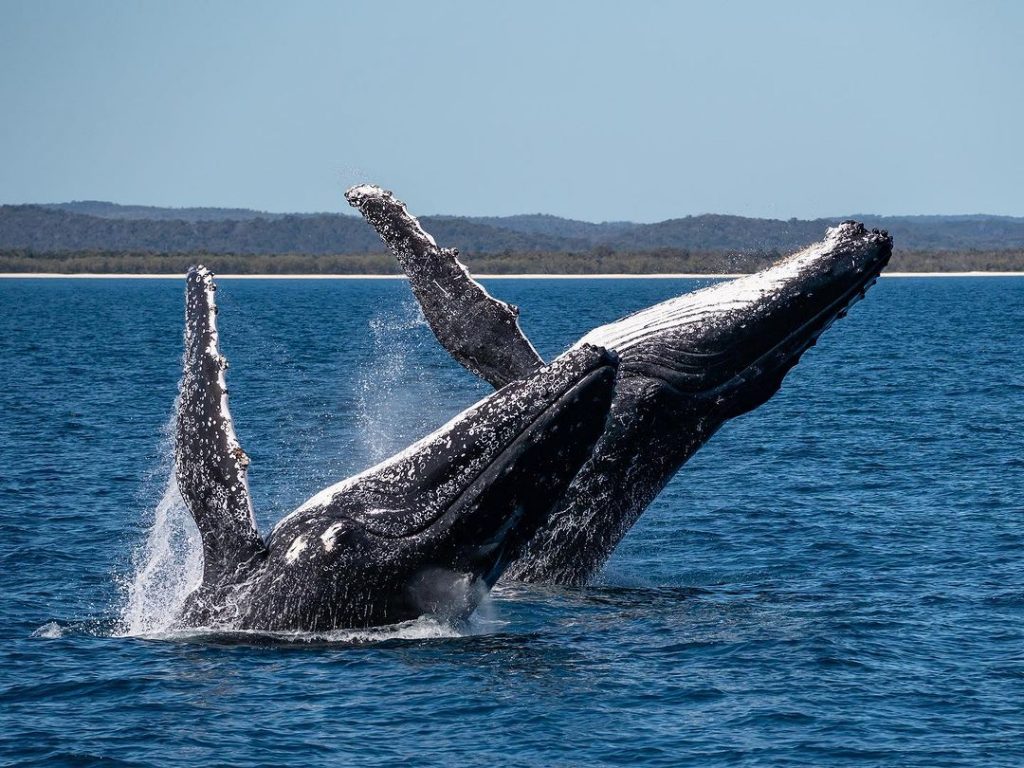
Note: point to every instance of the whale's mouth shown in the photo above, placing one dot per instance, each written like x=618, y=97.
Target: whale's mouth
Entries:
x=698, y=369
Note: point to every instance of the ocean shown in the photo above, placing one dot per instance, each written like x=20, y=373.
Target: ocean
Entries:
x=835, y=579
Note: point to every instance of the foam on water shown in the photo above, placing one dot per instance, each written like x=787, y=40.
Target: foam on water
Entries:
x=49, y=631
x=423, y=628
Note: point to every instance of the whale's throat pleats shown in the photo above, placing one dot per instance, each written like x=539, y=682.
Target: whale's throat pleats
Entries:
x=210, y=463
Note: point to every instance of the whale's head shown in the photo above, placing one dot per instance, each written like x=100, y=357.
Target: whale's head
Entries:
x=430, y=530
x=725, y=349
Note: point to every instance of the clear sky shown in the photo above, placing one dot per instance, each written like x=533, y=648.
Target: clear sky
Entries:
x=593, y=110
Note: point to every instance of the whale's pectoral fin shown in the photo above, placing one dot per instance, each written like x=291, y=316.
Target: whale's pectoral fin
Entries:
x=210, y=462
x=479, y=331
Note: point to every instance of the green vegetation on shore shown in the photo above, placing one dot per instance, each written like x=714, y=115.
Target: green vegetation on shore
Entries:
x=595, y=261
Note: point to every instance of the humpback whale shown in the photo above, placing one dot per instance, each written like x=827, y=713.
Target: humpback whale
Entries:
x=537, y=482
x=427, y=531
x=687, y=366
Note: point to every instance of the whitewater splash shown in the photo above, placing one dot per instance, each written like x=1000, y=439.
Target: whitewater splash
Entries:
x=167, y=566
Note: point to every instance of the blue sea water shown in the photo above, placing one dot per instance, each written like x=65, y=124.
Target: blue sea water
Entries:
x=835, y=579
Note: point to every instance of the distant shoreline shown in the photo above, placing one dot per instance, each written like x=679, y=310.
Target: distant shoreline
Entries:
x=535, y=276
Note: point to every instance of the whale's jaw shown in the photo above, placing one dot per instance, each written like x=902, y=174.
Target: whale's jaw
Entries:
x=732, y=343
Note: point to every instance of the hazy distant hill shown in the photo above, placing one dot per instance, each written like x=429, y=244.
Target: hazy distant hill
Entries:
x=92, y=225
x=546, y=224
x=106, y=210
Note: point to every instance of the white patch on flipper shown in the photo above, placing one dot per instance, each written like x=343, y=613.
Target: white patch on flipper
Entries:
x=298, y=544
x=327, y=537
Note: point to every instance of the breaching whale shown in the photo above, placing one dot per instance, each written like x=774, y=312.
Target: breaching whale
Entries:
x=539, y=481
x=687, y=365
x=428, y=531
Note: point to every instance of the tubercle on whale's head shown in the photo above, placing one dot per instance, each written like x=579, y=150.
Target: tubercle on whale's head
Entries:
x=432, y=529
x=727, y=347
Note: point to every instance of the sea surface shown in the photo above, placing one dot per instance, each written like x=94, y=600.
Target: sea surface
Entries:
x=835, y=579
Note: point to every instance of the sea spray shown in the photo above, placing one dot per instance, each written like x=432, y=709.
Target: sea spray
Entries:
x=389, y=413
x=168, y=564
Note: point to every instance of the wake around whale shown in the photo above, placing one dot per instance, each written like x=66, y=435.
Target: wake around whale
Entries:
x=428, y=531
x=687, y=366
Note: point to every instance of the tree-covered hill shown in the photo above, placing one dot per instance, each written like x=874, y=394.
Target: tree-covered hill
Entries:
x=46, y=229
x=97, y=226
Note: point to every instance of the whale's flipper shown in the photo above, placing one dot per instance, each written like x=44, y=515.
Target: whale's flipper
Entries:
x=479, y=331
x=210, y=462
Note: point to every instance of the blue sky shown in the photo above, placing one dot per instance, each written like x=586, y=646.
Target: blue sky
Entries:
x=593, y=110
